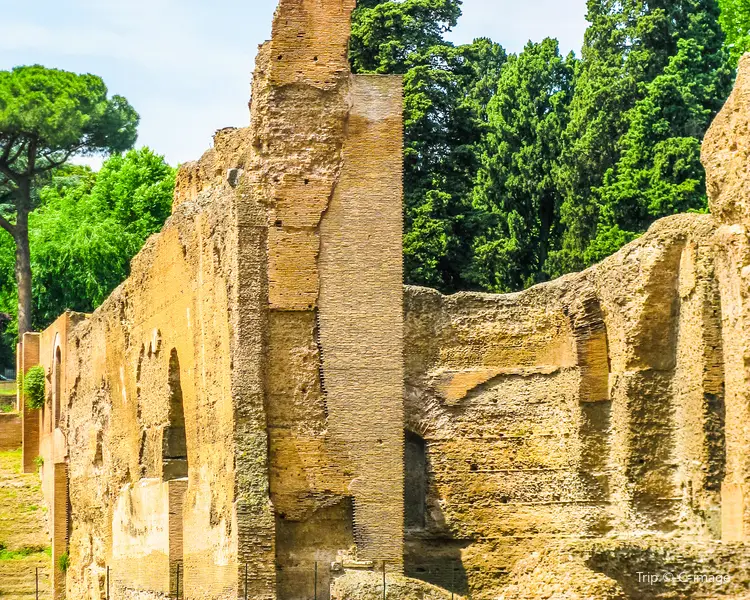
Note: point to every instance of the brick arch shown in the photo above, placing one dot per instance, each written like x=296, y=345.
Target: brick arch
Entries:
x=52, y=421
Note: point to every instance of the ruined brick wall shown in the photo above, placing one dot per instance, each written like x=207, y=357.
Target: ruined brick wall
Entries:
x=164, y=335
x=209, y=418
x=590, y=407
x=28, y=356
x=334, y=377
x=725, y=155
x=261, y=395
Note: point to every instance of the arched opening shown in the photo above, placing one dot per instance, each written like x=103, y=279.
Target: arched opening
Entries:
x=57, y=383
x=415, y=481
x=174, y=441
x=594, y=410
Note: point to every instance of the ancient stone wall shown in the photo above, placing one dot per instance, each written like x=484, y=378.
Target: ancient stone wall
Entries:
x=208, y=424
x=262, y=401
x=725, y=156
x=28, y=356
x=590, y=407
x=163, y=337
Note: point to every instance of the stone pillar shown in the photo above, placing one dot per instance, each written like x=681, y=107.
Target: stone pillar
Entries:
x=733, y=270
x=29, y=357
x=361, y=315
x=726, y=154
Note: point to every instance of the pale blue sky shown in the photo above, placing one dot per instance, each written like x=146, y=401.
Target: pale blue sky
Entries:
x=185, y=65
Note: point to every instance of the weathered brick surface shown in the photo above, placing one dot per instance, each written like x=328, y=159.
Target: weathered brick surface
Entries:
x=11, y=436
x=29, y=357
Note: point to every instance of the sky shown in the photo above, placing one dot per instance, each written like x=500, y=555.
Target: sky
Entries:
x=185, y=65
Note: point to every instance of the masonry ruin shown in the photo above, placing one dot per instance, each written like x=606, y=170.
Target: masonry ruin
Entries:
x=263, y=411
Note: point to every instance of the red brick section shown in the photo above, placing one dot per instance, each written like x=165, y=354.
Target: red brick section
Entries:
x=177, y=491
x=59, y=527
x=10, y=431
x=29, y=358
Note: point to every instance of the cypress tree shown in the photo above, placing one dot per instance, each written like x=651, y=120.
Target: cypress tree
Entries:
x=446, y=90
x=516, y=197
x=653, y=76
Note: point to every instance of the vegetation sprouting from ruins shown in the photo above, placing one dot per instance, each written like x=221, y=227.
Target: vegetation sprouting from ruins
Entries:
x=34, y=387
x=518, y=167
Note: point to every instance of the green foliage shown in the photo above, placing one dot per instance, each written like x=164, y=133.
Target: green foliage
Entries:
x=46, y=117
x=39, y=461
x=63, y=562
x=20, y=554
x=91, y=225
x=387, y=35
x=83, y=236
x=34, y=387
x=518, y=170
x=652, y=77
x=735, y=21
x=516, y=198
x=63, y=113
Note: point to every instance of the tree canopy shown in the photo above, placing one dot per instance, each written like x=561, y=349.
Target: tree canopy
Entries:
x=87, y=229
x=446, y=91
x=48, y=116
x=735, y=21
x=60, y=114
x=653, y=75
x=523, y=168
x=515, y=197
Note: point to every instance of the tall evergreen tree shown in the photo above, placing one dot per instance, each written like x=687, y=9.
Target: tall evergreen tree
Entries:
x=653, y=76
x=516, y=197
x=602, y=95
x=446, y=90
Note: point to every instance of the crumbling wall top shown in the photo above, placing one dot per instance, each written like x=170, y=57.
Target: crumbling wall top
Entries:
x=726, y=154
x=310, y=42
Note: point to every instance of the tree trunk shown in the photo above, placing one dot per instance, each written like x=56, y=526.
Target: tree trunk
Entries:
x=23, y=270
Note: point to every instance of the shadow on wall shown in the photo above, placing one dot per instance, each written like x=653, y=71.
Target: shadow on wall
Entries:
x=430, y=553
x=174, y=442
x=305, y=550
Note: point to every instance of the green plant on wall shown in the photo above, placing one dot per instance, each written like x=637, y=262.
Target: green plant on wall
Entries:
x=33, y=387
x=63, y=562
